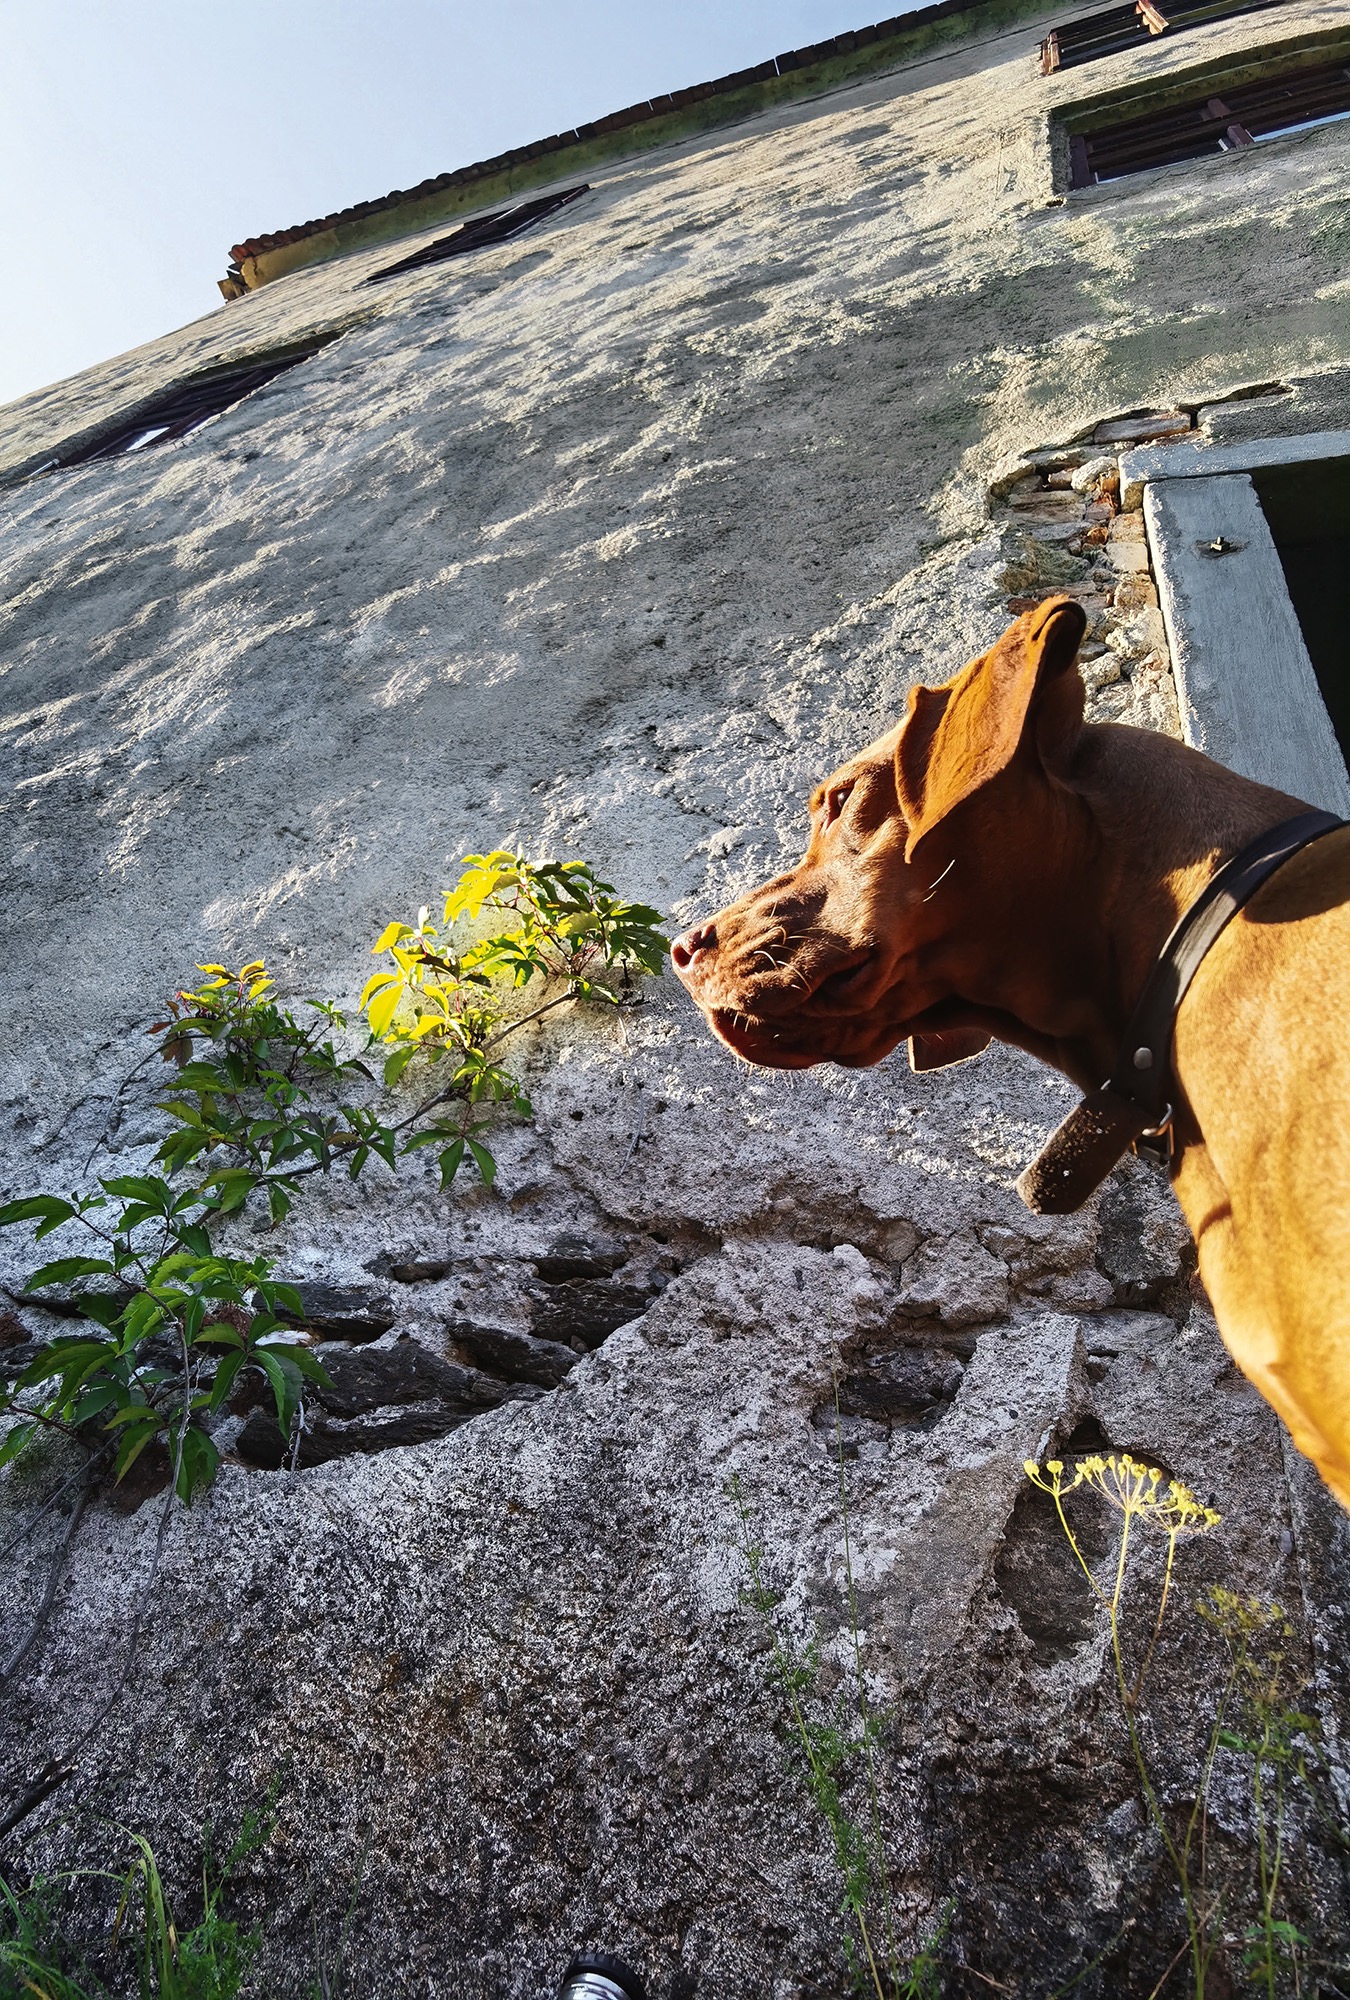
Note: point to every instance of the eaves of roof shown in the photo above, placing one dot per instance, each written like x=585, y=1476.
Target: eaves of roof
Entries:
x=660, y=121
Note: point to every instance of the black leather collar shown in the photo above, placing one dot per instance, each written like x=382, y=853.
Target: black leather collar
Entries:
x=1134, y=1105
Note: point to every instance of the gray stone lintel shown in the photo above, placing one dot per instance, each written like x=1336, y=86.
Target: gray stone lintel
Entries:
x=1192, y=459
x=1245, y=685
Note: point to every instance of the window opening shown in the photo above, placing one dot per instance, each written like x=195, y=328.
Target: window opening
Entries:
x=1134, y=26
x=499, y=227
x=1292, y=102
x=185, y=408
x=1307, y=508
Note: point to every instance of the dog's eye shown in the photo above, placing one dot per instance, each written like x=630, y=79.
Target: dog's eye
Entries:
x=835, y=801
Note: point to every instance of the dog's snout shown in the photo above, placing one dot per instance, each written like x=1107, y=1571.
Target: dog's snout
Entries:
x=686, y=949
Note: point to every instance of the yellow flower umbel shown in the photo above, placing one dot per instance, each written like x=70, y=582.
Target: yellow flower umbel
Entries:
x=1133, y=1488
x=1138, y=1493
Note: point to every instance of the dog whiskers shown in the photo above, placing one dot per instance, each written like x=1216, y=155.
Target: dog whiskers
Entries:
x=940, y=880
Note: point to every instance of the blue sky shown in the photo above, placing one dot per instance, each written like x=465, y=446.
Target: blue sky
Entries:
x=141, y=138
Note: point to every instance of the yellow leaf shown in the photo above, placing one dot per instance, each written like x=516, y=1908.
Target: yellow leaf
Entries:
x=483, y=876
x=376, y=981
x=388, y=936
x=382, y=1009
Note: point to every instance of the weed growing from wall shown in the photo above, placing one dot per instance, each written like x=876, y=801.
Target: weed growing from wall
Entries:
x=166, y=1960
x=1143, y=1500
x=1254, y=1716
x=834, y=1744
x=33, y=1956
x=260, y=1100
x=329, y=1980
x=1278, y=1744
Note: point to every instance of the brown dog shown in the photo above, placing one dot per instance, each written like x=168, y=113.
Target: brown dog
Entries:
x=996, y=868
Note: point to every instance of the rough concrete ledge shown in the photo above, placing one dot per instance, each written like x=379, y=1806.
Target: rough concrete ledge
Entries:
x=1197, y=458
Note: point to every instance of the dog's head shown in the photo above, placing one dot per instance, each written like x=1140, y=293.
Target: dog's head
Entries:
x=915, y=871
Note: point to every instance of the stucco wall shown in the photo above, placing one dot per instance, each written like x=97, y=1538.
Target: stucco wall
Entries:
x=614, y=539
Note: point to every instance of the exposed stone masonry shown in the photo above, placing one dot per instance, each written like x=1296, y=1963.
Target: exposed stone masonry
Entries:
x=1063, y=530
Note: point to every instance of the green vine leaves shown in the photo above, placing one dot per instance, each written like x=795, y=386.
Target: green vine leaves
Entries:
x=170, y=1325
x=445, y=997
x=259, y=1100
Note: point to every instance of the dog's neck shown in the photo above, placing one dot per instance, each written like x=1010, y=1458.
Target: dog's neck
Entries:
x=1139, y=827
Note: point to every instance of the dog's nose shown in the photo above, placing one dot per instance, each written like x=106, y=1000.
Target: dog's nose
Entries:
x=686, y=949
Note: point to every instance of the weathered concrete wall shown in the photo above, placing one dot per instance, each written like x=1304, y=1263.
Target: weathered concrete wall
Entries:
x=614, y=539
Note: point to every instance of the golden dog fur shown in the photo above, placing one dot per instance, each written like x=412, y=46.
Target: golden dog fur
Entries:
x=995, y=867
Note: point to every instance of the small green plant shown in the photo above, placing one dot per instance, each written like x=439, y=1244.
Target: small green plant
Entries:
x=923, y=1980
x=212, y=1959
x=828, y=1747
x=833, y=1745
x=1278, y=1740
x=209, y=1960
x=329, y=1981
x=34, y=1959
x=260, y=1099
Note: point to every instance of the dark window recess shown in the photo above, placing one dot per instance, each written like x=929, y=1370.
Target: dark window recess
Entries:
x=499, y=227
x=184, y=409
x=1130, y=27
x=1307, y=509
x=1219, y=124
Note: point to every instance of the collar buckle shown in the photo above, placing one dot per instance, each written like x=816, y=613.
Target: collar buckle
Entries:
x=1158, y=1141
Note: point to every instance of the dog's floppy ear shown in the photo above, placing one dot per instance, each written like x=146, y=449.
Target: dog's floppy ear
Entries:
x=956, y=738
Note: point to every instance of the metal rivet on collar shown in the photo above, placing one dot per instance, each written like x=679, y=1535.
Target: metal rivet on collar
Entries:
x=1143, y=1058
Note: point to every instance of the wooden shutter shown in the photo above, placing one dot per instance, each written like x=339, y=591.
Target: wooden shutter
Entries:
x=499, y=227
x=185, y=408
x=1135, y=26
x=1217, y=124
